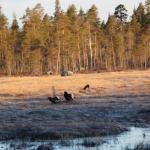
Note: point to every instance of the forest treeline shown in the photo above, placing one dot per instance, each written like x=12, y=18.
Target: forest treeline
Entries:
x=75, y=40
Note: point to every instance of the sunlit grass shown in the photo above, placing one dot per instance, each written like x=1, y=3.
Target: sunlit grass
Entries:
x=114, y=83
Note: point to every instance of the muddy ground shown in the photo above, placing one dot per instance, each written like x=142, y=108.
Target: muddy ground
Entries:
x=86, y=116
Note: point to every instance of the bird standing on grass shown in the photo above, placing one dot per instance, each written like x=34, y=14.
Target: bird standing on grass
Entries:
x=68, y=97
x=86, y=87
x=54, y=100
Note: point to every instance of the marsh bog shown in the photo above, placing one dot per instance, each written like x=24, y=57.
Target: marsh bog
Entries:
x=95, y=113
x=126, y=140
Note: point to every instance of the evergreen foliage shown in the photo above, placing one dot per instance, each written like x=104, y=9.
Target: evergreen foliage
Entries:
x=75, y=41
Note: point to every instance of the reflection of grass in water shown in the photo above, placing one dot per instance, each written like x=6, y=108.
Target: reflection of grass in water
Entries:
x=140, y=147
x=20, y=145
x=65, y=143
x=92, y=143
x=45, y=147
x=26, y=145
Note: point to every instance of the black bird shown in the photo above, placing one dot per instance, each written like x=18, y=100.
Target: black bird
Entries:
x=54, y=100
x=86, y=87
x=68, y=97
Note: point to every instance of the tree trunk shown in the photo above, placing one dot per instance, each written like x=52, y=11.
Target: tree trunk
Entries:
x=58, y=58
x=90, y=47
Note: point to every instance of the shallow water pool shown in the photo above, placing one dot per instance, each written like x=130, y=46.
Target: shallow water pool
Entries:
x=128, y=139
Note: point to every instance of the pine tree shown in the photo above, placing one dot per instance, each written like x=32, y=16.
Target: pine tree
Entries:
x=75, y=41
x=140, y=14
x=147, y=15
x=93, y=26
x=47, y=35
x=121, y=13
x=14, y=42
x=147, y=4
x=111, y=26
x=32, y=40
x=57, y=9
x=6, y=55
x=73, y=30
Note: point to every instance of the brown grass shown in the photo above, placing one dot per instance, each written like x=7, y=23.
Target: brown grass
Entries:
x=112, y=83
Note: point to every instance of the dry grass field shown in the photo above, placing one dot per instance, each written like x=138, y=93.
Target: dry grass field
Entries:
x=102, y=84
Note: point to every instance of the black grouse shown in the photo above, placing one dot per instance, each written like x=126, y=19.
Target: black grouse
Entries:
x=68, y=97
x=86, y=87
x=54, y=100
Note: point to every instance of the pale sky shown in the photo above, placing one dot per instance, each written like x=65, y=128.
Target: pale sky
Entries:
x=104, y=6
